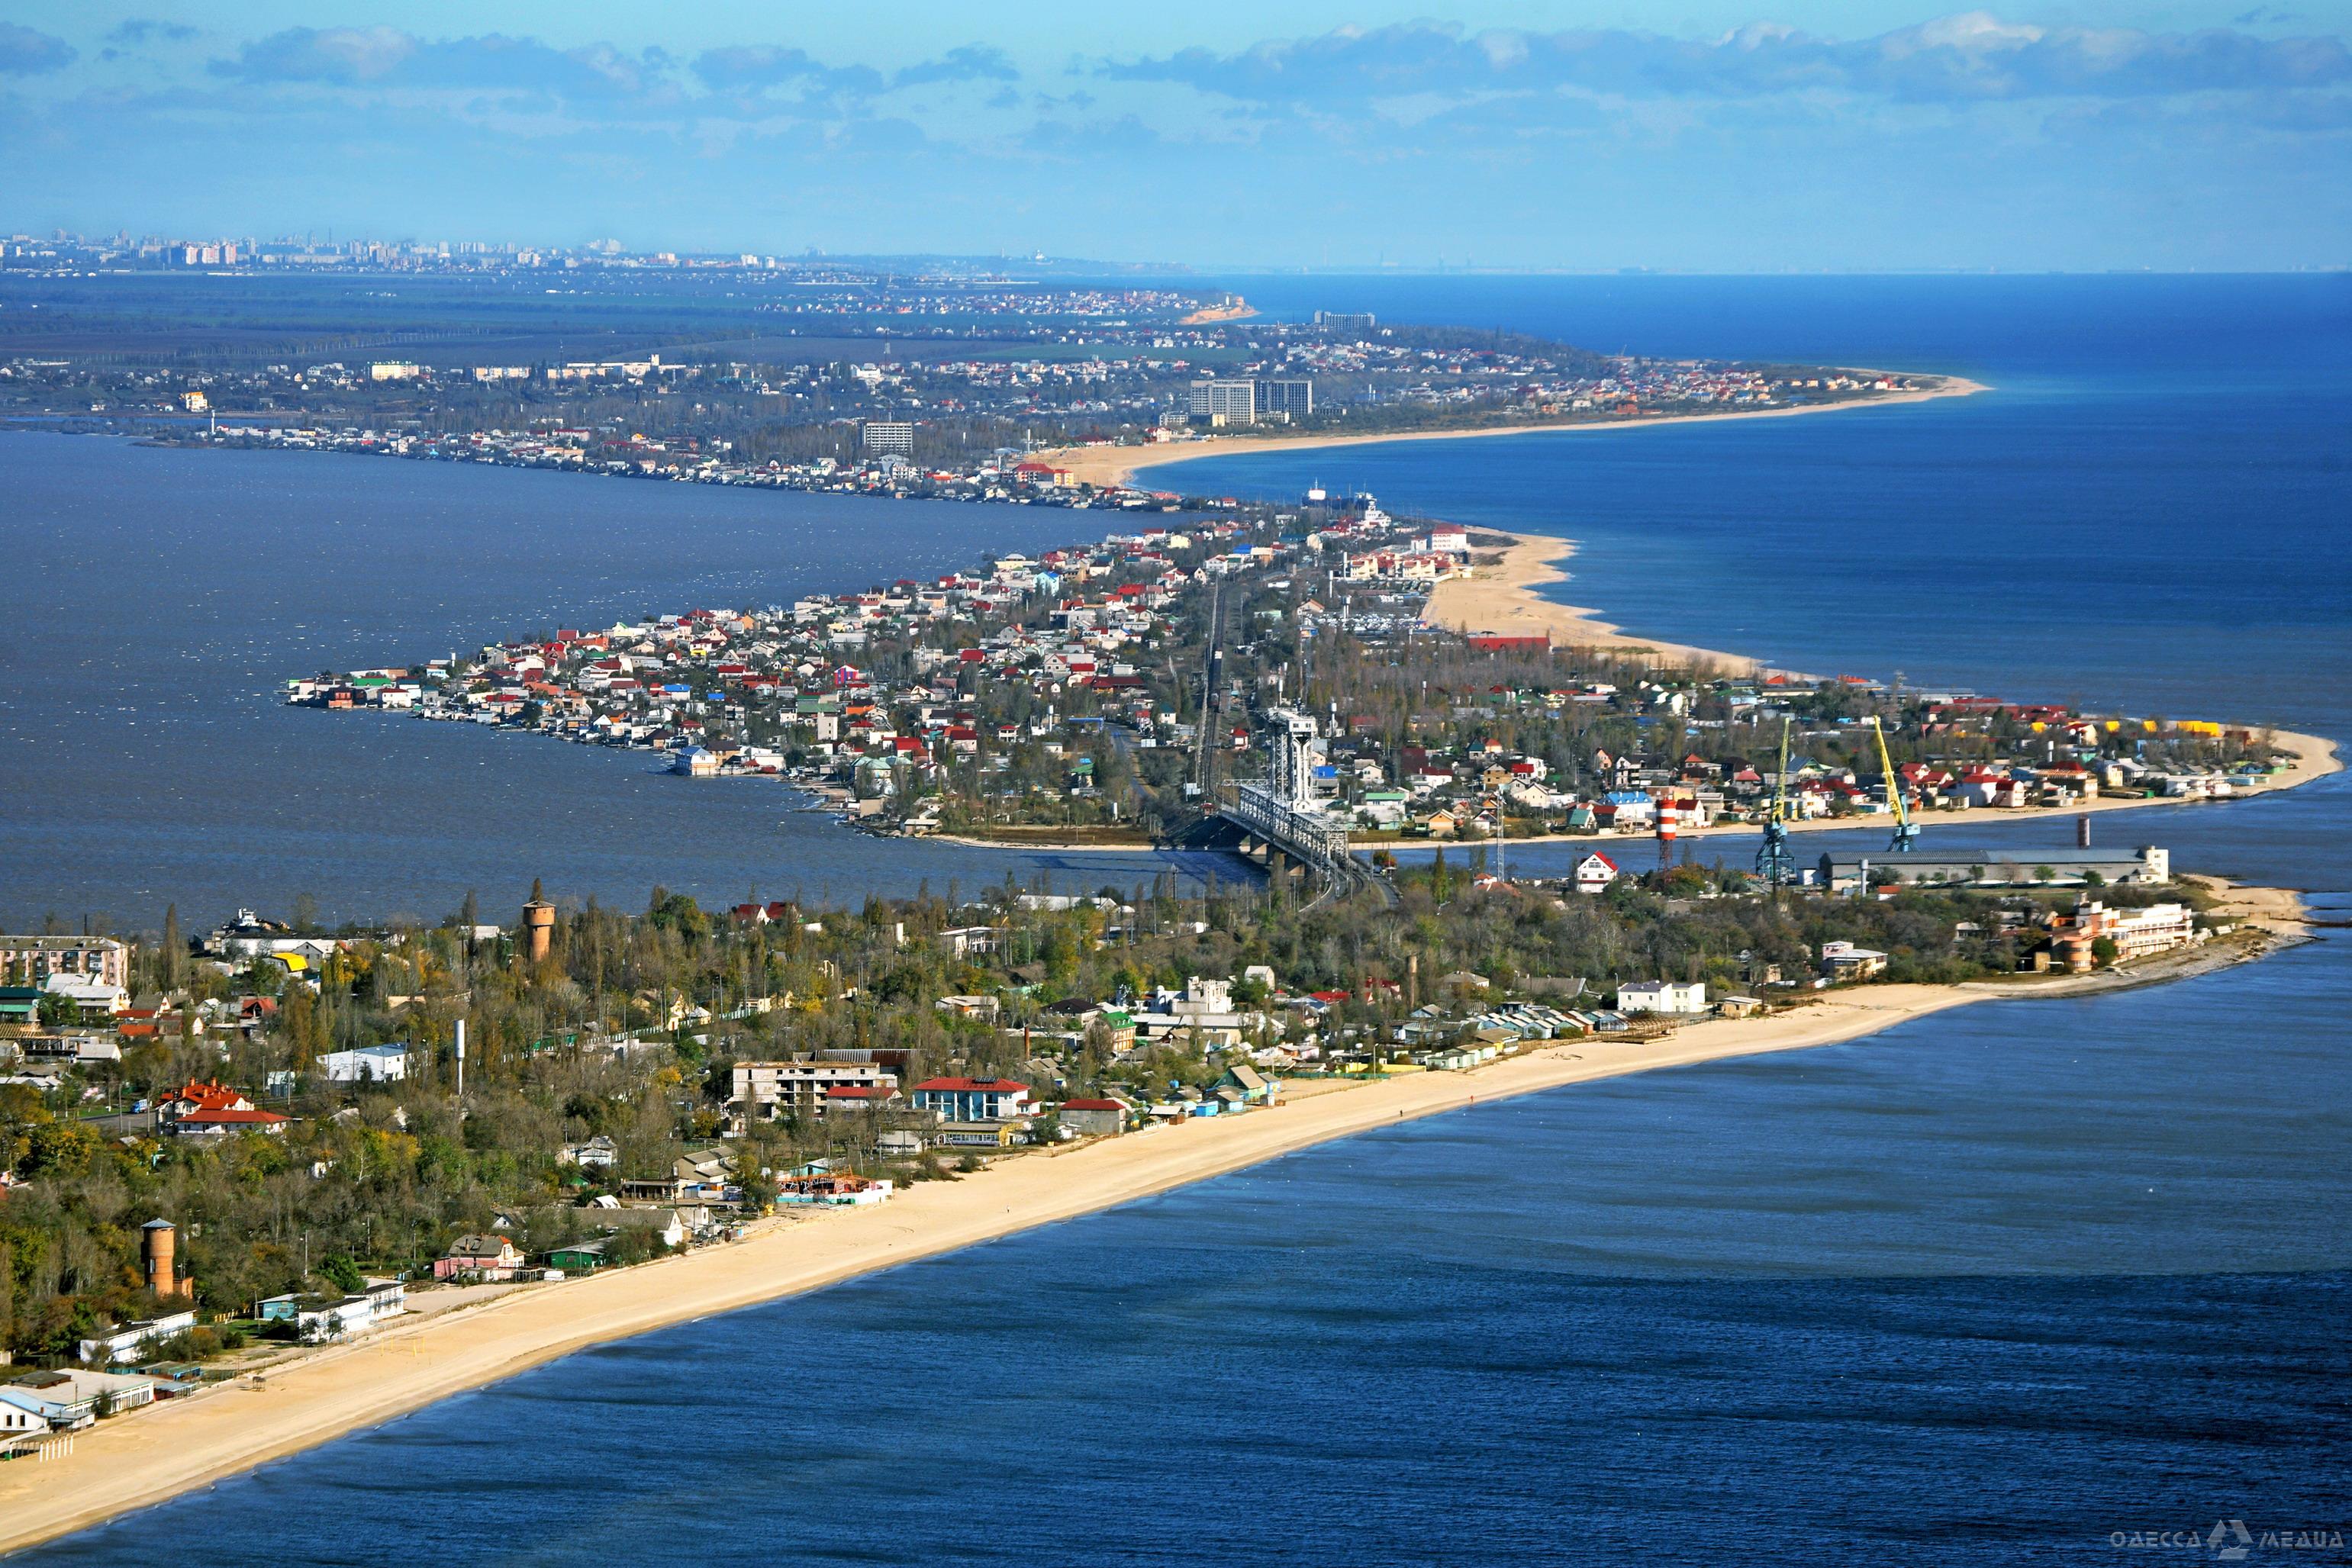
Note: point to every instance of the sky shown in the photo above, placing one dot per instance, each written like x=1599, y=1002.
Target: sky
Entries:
x=1695, y=135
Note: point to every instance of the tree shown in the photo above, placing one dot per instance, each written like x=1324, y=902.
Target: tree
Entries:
x=340, y=1271
x=60, y=1149
x=301, y=1024
x=56, y=1008
x=2104, y=950
x=174, y=954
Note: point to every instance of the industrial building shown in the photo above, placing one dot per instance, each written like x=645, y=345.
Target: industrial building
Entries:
x=1996, y=868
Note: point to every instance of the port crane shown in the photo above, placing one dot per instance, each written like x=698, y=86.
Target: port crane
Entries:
x=1776, y=862
x=1907, y=832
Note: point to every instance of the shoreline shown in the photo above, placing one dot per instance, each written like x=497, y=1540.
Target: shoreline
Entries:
x=1503, y=598
x=1118, y=466
x=172, y=1448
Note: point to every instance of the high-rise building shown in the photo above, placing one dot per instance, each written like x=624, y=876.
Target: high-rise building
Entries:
x=889, y=435
x=1346, y=320
x=1294, y=399
x=1229, y=401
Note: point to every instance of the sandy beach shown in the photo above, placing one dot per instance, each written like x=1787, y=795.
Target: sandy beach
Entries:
x=1505, y=597
x=1111, y=466
x=139, y=1459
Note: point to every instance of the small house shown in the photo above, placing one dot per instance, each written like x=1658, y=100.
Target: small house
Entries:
x=1095, y=1118
x=578, y=1257
x=479, y=1257
x=1663, y=997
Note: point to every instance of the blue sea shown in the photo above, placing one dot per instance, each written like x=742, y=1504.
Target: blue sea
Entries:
x=2004, y=1285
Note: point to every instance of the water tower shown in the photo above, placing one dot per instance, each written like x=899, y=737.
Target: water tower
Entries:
x=158, y=1247
x=538, y=927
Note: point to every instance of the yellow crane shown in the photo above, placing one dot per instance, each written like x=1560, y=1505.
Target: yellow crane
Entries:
x=1907, y=832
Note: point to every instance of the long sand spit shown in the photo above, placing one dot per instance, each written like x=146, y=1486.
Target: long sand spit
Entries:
x=137, y=1460
x=1107, y=465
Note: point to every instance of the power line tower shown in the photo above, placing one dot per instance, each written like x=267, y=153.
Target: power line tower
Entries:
x=1775, y=859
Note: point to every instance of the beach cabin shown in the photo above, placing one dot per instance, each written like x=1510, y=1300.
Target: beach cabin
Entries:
x=1250, y=1087
x=1095, y=1118
x=479, y=1257
x=578, y=1257
x=1663, y=997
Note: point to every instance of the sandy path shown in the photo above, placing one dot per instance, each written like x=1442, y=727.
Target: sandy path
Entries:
x=143, y=1458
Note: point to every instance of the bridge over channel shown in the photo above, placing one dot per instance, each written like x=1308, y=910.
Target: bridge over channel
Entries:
x=1280, y=816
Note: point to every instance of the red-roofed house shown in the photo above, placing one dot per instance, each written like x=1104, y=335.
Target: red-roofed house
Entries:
x=222, y=1123
x=193, y=1097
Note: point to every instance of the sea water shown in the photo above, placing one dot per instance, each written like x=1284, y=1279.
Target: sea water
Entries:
x=2021, y=1282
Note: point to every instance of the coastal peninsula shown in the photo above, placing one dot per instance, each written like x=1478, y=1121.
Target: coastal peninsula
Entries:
x=1104, y=694
x=392, y=1161
x=492, y=1332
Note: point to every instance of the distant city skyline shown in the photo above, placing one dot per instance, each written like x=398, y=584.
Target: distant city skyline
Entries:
x=1809, y=135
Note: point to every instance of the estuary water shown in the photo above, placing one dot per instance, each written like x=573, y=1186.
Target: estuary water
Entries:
x=2009, y=1284
x=146, y=759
